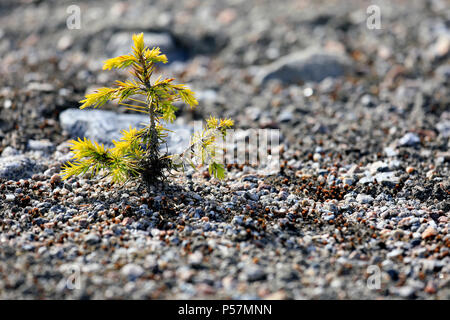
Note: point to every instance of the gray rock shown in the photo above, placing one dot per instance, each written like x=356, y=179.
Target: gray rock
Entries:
x=195, y=259
x=444, y=128
x=254, y=273
x=252, y=196
x=18, y=167
x=364, y=198
x=78, y=200
x=132, y=270
x=387, y=178
x=254, y=113
x=7, y=104
x=390, y=152
x=366, y=180
x=409, y=139
x=10, y=198
x=44, y=87
x=368, y=100
x=378, y=166
x=394, y=253
x=440, y=48
x=347, y=180
x=10, y=151
x=105, y=126
x=41, y=145
x=394, y=164
x=308, y=65
x=92, y=238
x=285, y=116
x=320, y=128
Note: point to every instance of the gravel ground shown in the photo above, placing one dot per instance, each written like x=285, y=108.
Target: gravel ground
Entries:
x=363, y=188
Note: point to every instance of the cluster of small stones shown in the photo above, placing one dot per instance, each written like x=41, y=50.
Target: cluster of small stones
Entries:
x=307, y=232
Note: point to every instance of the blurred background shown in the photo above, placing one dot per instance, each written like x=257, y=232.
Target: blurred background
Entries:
x=315, y=69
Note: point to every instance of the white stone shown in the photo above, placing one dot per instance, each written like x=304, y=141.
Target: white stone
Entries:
x=364, y=198
x=132, y=270
x=409, y=139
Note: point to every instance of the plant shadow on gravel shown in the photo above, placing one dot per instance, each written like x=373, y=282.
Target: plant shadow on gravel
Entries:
x=164, y=198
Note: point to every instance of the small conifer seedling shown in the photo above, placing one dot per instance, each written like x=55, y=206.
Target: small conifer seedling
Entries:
x=137, y=155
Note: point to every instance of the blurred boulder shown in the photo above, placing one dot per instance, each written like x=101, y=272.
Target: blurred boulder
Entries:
x=16, y=167
x=308, y=65
x=105, y=126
